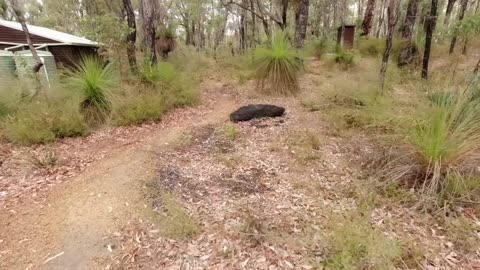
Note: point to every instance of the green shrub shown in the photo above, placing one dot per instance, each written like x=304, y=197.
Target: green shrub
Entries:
x=161, y=72
x=319, y=47
x=5, y=110
x=344, y=58
x=276, y=67
x=230, y=132
x=371, y=46
x=143, y=104
x=95, y=81
x=44, y=122
x=136, y=108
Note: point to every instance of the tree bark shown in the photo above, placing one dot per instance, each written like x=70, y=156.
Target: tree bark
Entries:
x=243, y=30
x=254, y=25
x=284, y=14
x=148, y=16
x=410, y=19
x=301, y=21
x=19, y=14
x=393, y=16
x=368, y=18
x=431, y=21
x=132, y=35
x=448, y=13
x=463, y=9
x=381, y=19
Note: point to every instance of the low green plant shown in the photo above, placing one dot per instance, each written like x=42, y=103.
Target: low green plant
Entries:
x=134, y=109
x=140, y=104
x=344, y=58
x=353, y=243
x=95, y=81
x=161, y=72
x=463, y=233
x=276, y=67
x=43, y=122
x=173, y=221
x=230, y=132
x=319, y=47
x=371, y=46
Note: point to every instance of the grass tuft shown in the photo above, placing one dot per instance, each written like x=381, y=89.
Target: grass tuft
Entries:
x=276, y=67
x=355, y=244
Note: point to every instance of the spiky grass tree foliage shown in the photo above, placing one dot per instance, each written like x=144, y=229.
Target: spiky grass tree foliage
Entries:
x=277, y=66
x=166, y=41
x=445, y=146
x=95, y=81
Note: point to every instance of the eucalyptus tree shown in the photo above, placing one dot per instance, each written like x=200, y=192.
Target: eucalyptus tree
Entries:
x=430, y=23
x=368, y=18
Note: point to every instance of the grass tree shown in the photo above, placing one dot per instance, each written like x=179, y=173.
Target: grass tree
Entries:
x=277, y=67
x=95, y=81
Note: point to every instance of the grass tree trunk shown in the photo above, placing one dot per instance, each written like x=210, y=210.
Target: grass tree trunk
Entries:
x=410, y=19
x=431, y=21
x=301, y=21
x=463, y=9
x=19, y=14
x=392, y=21
x=448, y=13
x=148, y=16
x=132, y=35
x=368, y=18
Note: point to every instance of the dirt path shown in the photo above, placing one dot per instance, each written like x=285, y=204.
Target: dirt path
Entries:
x=66, y=231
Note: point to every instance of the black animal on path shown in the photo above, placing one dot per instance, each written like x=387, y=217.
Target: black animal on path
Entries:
x=250, y=112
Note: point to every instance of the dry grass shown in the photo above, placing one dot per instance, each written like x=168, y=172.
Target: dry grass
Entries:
x=353, y=243
x=172, y=219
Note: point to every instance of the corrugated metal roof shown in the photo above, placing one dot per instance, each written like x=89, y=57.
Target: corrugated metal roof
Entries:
x=50, y=34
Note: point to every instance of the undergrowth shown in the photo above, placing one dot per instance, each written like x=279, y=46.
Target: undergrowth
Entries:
x=353, y=243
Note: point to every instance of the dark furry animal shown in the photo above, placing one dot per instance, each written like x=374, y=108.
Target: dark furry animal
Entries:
x=250, y=112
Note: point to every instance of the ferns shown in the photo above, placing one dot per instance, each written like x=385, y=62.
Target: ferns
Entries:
x=276, y=67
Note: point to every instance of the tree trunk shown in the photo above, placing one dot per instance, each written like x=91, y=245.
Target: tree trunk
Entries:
x=132, y=35
x=148, y=17
x=243, y=30
x=19, y=14
x=221, y=34
x=253, y=43
x=301, y=21
x=431, y=21
x=284, y=14
x=448, y=13
x=368, y=18
x=193, y=33
x=393, y=16
x=410, y=19
x=463, y=9
x=188, y=32
x=381, y=19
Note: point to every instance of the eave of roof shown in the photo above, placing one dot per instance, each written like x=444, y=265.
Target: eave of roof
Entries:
x=54, y=35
